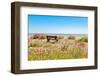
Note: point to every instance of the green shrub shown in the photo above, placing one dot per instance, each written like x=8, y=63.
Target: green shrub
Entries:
x=39, y=36
x=35, y=44
x=84, y=39
x=71, y=37
x=36, y=36
x=42, y=36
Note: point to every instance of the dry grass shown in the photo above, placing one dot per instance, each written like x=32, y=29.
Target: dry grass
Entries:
x=65, y=48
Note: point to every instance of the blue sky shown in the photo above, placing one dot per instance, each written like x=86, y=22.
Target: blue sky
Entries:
x=57, y=24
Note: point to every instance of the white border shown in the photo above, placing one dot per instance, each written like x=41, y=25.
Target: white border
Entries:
x=25, y=64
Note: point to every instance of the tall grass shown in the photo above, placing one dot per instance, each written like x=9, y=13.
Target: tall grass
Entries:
x=83, y=39
x=67, y=48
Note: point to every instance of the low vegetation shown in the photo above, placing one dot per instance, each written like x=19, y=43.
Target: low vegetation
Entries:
x=83, y=39
x=39, y=36
x=71, y=37
x=64, y=48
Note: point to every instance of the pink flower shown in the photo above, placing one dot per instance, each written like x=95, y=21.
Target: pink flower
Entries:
x=81, y=45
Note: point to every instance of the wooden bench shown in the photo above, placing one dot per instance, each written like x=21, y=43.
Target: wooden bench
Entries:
x=51, y=38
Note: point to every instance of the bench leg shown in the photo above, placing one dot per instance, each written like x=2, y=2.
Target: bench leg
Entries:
x=47, y=40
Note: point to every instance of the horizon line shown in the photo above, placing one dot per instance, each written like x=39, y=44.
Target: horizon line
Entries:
x=57, y=33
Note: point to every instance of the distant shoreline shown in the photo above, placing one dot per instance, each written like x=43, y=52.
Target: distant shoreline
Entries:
x=55, y=34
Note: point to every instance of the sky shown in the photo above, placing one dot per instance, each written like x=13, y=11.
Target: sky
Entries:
x=57, y=24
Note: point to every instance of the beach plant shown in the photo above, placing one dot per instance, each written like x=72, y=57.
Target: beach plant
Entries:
x=71, y=37
x=36, y=36
x=84, y=39
x=63, y=49
x=35, y=44
x=39, y=36
x=42, y=36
